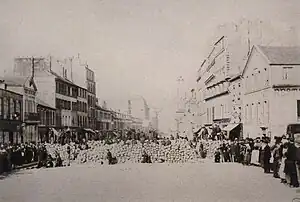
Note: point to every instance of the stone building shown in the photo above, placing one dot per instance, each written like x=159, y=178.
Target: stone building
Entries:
x=104, y=119
x=271, y=90
x=213, y=80
x=57, y=87
x=27, y=88
x=234, y=128
x=91, y=95
x=47, y=120
x=11, y=117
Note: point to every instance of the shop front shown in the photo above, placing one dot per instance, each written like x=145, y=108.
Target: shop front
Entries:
x=10, y=131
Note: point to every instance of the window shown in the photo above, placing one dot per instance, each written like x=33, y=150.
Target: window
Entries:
x=11, y=108
x=286, y=71
x=18, y=106
x=5, y=108
x=57, y=87
x=298, y=109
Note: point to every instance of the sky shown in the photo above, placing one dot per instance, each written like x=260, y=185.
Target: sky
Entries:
x=136, y=47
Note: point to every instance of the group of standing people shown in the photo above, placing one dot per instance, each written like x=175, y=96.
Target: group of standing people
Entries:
x=282, y=157
x=235, y=151
x=15, y=155
x=286, y=160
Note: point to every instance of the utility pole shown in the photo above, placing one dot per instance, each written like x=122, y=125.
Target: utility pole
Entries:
x=179, y=81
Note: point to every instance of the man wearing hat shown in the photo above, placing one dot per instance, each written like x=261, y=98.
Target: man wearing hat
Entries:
x=291, y=158
x=266, y=155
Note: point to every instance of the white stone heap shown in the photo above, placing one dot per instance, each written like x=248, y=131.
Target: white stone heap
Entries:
x=179, y=151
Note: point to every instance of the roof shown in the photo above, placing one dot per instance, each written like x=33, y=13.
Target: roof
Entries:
x=15, y=81
x=42, y=103
x=235, y=77
x=102, y=109
x=282, y=55
x=63, y=79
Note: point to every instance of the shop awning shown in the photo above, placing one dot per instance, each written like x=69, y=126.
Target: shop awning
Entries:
x=230, y=127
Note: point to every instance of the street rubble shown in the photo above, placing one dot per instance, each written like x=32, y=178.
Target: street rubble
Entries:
x=178, y=151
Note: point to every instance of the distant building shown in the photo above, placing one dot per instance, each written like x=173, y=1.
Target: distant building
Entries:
x=104, y=119
x=271, y=90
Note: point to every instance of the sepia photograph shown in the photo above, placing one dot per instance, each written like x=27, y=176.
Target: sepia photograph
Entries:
x=149, y=101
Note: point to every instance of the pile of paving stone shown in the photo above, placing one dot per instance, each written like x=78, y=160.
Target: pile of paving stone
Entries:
x=179, y=151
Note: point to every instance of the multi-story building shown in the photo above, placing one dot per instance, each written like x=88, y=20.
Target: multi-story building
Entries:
x=120, y=121
x=213, y=79
x=26, y=87
x=137, y=123
x=104, y=119
x=234, y=128
x=11, y=107
x=271, y=90
x=82, y=108
x=91, y=96
x=219, y=94
x=47, y=117
x=56, y=83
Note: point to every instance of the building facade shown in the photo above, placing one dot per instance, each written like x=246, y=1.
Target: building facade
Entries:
x=219, y=87
x=55, y=79
x=213, y=80
x=91, y=95
x=272, y=90
x=47, y=118
x=26, y=87
x=104, y=119
x=11, y=117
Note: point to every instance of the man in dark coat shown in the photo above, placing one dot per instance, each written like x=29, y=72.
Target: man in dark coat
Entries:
x=277, y=154
x=291, y=159
x=109, y=157
x=267, y=156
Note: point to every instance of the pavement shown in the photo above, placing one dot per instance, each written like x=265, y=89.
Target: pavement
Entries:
x=226, y=182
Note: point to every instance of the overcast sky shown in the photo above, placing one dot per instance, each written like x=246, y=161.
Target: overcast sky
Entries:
x=136, y=47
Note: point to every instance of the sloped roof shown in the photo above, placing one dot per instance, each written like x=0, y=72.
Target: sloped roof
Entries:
x=42, y=103
x=235, y=77
x=282, y=55
x=15, y=81
x=63, y=79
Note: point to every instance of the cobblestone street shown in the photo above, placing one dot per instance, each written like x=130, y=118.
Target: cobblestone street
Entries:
x=140, y=182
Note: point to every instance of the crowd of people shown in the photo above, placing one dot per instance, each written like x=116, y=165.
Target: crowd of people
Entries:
x=280, y=157
x=16, y=155
x=13, y=156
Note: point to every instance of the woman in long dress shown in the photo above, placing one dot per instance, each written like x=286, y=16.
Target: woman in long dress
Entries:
x=282, y=174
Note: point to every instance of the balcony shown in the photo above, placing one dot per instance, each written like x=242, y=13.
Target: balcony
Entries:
x=32, y=117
